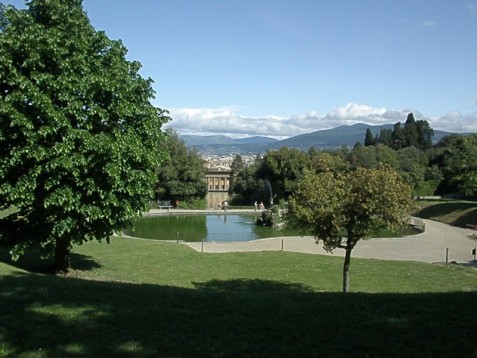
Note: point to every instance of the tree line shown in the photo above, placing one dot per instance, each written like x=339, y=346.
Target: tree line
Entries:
x=447, y=167
x=413, y=133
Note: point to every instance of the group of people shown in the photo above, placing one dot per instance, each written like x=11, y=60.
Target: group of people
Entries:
x=259, y=206
x=224, y=205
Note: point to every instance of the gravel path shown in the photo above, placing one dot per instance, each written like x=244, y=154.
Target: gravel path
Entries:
x=440, y=242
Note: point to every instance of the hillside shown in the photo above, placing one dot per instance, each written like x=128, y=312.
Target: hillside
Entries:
x=330, y=138
x=324, y=139
x=225, y=145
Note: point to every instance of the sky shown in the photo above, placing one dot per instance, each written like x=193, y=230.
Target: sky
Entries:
x=281, y=68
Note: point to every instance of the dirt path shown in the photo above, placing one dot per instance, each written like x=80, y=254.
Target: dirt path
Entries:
x=439, y=243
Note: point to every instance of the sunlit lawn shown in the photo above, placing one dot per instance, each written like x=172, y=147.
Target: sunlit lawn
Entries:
x=151, y=298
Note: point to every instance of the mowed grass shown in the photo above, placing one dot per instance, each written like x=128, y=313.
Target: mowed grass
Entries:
x=150, y=298
x=453, y=212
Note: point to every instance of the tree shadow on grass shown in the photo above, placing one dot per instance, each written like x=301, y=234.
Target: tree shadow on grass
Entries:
x=467, y=220
x=57, y=316
x=35, y=260
x=251, y=285
x=443, y=209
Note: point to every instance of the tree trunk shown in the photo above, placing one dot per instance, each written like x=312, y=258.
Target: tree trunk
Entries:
x=346, y=264
x=62, y=255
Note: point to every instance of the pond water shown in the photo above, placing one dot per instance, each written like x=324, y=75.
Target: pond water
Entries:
x=218, y=228
x=210, y=228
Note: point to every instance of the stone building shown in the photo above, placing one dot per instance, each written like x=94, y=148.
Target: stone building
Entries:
x=218, y=184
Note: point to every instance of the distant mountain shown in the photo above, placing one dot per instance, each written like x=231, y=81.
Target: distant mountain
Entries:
x=339, y=136
x=219, y=144
x=257, y=140
x=324, y=139
x=195, y=140
x=330, y=138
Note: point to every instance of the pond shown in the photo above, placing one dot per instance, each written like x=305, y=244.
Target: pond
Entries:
x=209, y=227
x=219, y=228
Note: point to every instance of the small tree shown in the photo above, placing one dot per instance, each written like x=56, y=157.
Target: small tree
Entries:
x=343, y=208
x=78, y=134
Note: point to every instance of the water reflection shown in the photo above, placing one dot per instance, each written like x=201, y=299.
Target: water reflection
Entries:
x=195, y=228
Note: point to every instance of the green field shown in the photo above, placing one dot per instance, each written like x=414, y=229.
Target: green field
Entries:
x=151, y=298
x=453, y=212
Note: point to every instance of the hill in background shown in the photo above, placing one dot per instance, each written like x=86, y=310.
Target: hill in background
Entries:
x=325, y=139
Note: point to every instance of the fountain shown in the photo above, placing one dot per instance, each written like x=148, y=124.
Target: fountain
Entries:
x=269, y=187
x=269, y=217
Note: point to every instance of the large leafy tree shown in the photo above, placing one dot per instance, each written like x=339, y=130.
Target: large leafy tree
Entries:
x=78, y=134
x=343, y=208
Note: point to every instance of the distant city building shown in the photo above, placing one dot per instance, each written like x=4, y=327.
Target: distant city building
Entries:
x=218, y=184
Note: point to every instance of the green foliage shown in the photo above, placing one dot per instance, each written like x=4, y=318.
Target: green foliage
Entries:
x=413, y=133
x=410, y=132
x=369, y=138
x=351, y=205
x=413, y=164
x=385, y=137
x=321, y=161
x=181, y=176
x=282, y=167
x=398, y=136
x=193, y=204
x=78, y=134
x=372, y=157
x=246, y=188
x=459, y=164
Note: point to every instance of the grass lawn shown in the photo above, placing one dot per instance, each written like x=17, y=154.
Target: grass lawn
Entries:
x=453, y=212
x=152, y=298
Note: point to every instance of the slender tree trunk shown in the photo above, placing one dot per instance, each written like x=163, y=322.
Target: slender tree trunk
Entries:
x=346, y=264
x=62, y=255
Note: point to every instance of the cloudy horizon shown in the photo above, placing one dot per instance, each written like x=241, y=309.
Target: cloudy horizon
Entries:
x=230, y=122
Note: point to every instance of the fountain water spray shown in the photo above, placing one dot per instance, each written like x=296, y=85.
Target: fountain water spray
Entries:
x=269, y=187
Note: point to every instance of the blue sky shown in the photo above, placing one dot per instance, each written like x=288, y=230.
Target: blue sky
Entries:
x=287, y=67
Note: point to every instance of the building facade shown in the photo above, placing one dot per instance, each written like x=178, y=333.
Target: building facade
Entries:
x=218, y=184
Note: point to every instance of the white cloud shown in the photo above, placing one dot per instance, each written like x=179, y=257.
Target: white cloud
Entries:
x=429, y=23
x=228, y=121
x=353, y=110
x=454, y=121
x=471, y=7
